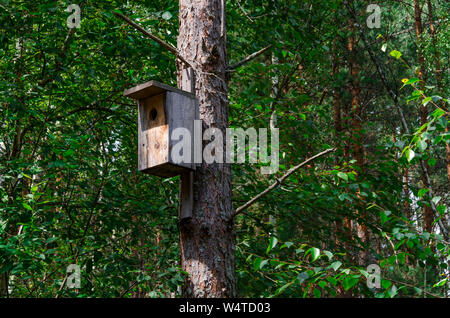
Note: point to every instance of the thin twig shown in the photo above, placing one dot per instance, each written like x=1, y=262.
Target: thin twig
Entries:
x=248, y=58
x=166, y=45
x=243, y=11
x=410, y=285
x=280, y=180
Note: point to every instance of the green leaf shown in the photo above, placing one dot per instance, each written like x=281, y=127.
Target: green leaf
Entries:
x=263, y=263
x=418, y=290
x=328, y=254
x=272, y=243
x=436, y=200
x=27, y=206
x=425, y=101
x=396, y=54
x=410, y=154
x=166, y=15
x=34, y=189
x=422, y=192
x=3, y=225
x=282, y=288
x=257, y=263
x=441, y=209
x=436, y=98
x=422, y=145
x=441, y=282
x=302, y=277
x=385, y=283
x=350, y=281
x=414, y=96
x=384, y=216
x=438, y=113
x=317, y=293
x=332, y=280
x=51, y=240
x=393, y=291
x=315, y=253
x=365, y=273
x=412, y=80
x=286, y=245
x=335, y=265
x=342, y=175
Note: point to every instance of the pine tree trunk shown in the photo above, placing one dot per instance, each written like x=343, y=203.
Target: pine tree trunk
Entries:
x=4, y=285
x=423, y=111
x=337, y=123
x=439, y=73
x=207, y=240
x=357, y=134
x=447, y=150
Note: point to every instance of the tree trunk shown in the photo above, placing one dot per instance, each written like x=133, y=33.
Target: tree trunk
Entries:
x=207, y=240
x=357, y=134
x=337, y=123
x=4, y=284
x=447, y=150
x=423, y=111
x=439, y=73
x=340, y=227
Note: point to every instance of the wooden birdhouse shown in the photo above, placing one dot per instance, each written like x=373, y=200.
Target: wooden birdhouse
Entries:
x=162, y=109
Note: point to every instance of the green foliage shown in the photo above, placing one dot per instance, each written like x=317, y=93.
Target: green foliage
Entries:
x=70, y=192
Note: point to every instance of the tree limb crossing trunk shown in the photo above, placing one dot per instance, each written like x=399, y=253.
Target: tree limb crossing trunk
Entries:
x=207, y=240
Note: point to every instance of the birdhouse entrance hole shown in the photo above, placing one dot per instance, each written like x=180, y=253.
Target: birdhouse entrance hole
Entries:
x=153, y=114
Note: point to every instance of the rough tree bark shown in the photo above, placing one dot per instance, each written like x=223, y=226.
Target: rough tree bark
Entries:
x=340, y=227
x=357, y=133
x=423, y=110
x=337, y=121
x=338, y=111
x=345, y=141
x=438, y=73
x=207, y=240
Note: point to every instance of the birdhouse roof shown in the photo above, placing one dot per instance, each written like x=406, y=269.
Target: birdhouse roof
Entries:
x=153, y=88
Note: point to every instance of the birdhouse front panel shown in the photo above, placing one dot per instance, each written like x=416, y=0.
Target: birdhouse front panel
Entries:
x=153, y=132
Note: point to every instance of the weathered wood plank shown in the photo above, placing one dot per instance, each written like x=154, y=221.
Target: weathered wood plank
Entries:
x=181, y=114
x=187, y=179
x=153, y=132
x=152, y=88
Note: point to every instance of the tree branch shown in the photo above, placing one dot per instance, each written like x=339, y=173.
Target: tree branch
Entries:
x=243, y=11
x=280, y=181
x=248, y=58
x=166, y=45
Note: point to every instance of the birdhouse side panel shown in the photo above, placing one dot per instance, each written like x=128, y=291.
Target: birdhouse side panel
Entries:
x=181, y=112
x=153, y=135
